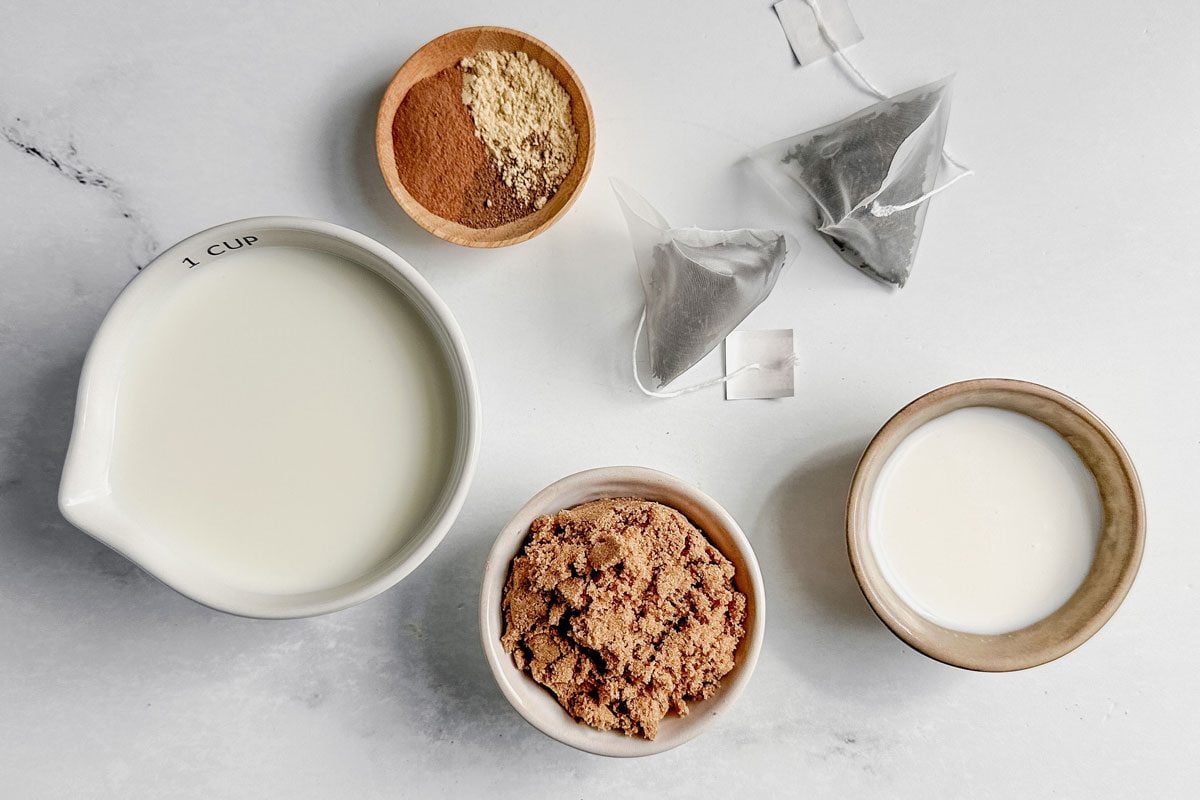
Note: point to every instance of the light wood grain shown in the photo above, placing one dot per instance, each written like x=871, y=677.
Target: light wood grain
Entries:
x=446, y=51
x=1118, y=553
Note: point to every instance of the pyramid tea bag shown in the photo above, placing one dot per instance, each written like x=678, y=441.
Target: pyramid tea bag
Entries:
x=870, y=176
x=699, y=284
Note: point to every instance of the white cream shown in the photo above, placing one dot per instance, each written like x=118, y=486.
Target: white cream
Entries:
x=286, y=421
x=985, y=520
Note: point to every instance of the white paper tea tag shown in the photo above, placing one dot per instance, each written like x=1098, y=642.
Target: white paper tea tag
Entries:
x=799, y=21
x=771, y=349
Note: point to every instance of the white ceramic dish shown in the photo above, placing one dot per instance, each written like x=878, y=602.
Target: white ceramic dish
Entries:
x=86, y=497
x=532, y=700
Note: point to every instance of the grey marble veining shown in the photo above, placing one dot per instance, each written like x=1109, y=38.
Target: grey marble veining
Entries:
x=64, y=158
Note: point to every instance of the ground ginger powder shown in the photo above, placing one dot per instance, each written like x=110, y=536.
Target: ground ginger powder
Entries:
x=624, y=611
x=523, y=114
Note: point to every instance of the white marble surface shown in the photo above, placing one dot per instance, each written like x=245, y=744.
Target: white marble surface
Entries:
x=1070, y=260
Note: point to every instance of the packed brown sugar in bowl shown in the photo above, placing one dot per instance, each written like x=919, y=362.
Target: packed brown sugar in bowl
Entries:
x=487, y=141
x=624, y=611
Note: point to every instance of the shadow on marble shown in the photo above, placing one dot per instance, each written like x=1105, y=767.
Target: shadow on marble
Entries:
x=842, y=644
x=811, y=505
x=439, y=662
x=37, y=532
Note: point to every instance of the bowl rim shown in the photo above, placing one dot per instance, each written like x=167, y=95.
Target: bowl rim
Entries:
x=886, y=439
x=495, y=575
x=93, y=515
x=449, y=230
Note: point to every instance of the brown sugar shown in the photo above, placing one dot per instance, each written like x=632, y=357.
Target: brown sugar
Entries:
x=624, y=611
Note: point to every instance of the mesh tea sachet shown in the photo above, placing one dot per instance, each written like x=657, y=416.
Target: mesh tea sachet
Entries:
x=699, y=285
x=870, y=176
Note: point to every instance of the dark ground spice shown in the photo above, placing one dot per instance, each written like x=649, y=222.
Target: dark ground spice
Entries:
x=441, y=161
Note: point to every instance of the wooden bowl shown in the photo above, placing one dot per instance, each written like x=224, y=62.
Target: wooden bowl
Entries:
x=446, y=51
x=1118, y=553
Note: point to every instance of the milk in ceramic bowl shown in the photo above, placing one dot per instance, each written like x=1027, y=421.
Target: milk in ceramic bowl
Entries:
x=277, y=419
x=985, y=520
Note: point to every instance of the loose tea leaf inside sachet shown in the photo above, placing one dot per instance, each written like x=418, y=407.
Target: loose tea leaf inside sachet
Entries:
x=699, y=284
x=870, y=176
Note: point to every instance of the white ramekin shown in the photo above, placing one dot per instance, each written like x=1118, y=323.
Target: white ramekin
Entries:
x=532, y=700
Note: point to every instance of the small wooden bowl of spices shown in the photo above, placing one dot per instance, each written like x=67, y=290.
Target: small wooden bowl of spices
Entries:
x=485, y=136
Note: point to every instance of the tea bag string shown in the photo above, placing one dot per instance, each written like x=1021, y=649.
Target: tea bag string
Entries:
x=848, y=66
x=637, y=338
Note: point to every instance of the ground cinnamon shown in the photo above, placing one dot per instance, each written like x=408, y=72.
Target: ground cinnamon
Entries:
x=441, y=161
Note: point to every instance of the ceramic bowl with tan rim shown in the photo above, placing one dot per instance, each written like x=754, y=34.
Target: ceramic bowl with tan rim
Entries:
x=1115, y=563
x=446, y=51
x=533, y=701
